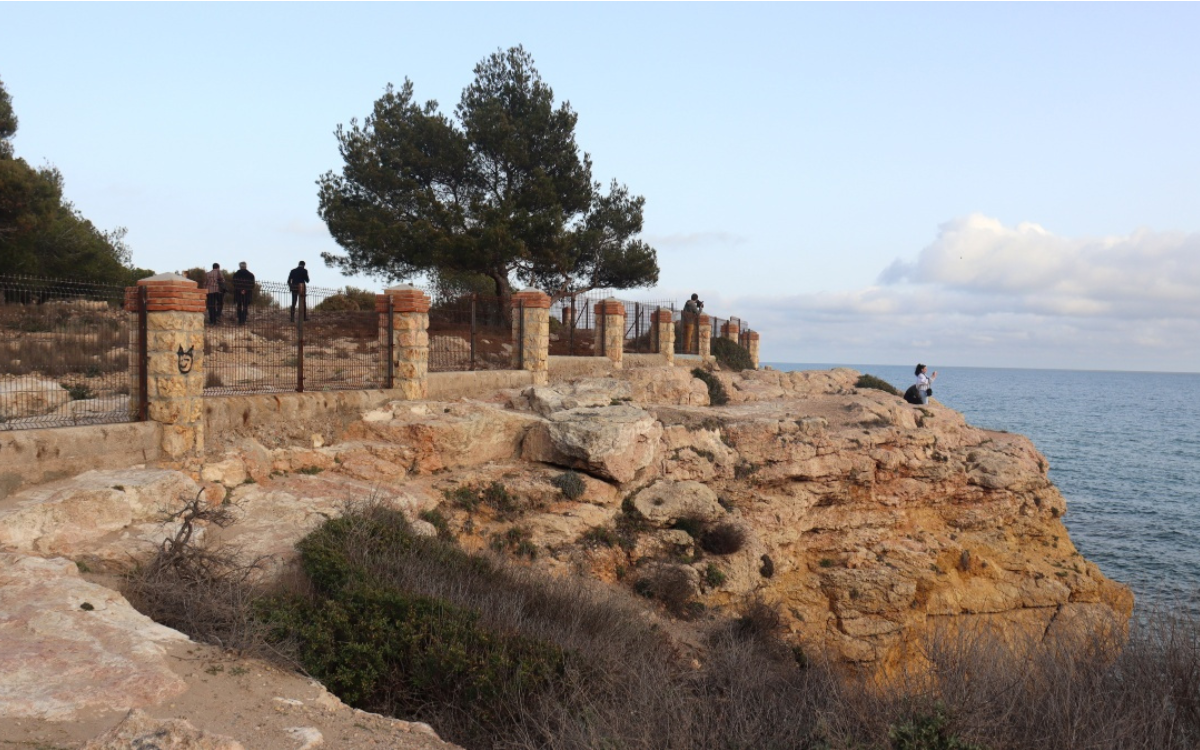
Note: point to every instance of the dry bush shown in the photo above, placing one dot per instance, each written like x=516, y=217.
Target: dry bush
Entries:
x=725, y=538
x=209, y=594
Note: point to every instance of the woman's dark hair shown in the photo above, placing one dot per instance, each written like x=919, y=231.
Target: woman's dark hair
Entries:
x=918, y=370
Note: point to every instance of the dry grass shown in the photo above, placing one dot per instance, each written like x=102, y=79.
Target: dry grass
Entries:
x=621, y=682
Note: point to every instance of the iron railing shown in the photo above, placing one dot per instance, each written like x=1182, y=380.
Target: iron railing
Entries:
x=315, y=340
x=64, y=353
x=471, y=332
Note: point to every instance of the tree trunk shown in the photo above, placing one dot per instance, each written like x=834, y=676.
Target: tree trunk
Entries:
x=504, y=294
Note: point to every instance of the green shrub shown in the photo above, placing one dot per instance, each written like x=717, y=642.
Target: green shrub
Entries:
x=928, y=731
x=692, y=525
x=570, y=484
x=716, y=391
x=870, y=381
x=348, y=300
x=730, y=355
x=713, y=575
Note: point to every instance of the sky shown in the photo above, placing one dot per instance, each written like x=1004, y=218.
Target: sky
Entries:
x=961, y=184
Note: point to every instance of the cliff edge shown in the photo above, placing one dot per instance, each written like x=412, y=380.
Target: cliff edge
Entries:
x=869, y=521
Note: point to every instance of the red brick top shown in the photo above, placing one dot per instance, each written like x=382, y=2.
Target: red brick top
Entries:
x=752, y=335
x=731, y=328
x=403, y=301
x=704, y=320
x=532, y=298
x=661, y=316
x=610, y=307
x=166, y=295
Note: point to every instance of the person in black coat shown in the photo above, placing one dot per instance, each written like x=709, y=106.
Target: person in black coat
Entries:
x=243, y=292
x=297, y=282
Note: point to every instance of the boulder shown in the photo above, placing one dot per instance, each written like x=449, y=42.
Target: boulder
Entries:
x=30, y=397
x=140, y=730
x=612, y=442
x=665, y=502
x=71, y=646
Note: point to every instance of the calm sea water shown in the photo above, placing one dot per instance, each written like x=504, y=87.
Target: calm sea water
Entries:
x=1124, y=450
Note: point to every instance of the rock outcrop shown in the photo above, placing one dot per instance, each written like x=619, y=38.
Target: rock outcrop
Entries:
x=869, y=521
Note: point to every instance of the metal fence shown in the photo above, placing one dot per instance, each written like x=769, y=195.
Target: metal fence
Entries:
x=575, y=330
x=64, y=353
x=312, y=340
x=470, y=332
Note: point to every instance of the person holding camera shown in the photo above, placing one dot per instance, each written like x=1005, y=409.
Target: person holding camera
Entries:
x=691, y=314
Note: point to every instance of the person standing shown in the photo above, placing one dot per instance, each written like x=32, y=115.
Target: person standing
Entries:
x=297, y=282
x=243, y=292
x=214, y=287
x=691, y=315
x=924, y=384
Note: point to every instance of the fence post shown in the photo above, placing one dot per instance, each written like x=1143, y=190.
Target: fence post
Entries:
x=531, y=333
x=571, y=331
x=730, y=328
x=169, y=379
x=300, y=342
x=663, y=323
x=474, y=297
x=752, y=346
x=409, y=347
x=387, y=322
x=704, y=337
x=610, y=314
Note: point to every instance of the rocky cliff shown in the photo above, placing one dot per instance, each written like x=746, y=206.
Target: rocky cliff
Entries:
x=869, y=521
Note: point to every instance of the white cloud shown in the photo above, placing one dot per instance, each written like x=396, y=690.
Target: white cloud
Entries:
x=986, y=294
x=694, y=239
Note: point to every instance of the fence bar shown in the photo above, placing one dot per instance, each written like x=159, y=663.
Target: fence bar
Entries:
x=300, y=339
x=391, y=342
x=143, y=355
x=474, y=329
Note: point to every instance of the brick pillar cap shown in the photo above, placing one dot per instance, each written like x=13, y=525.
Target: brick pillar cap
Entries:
x=403, y=288
x=166, y=278
x=752, y=335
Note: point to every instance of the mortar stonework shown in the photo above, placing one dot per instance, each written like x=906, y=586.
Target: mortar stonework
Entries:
x=705, y=325
x=410, y=338
x=664, y=324
x=174, y=362
x=752, y=346
x=531, y=333
x=610, y=320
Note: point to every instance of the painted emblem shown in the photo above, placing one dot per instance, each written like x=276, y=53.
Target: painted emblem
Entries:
x=185, y=359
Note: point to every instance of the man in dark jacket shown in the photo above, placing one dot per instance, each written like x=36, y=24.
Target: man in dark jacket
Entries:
x=297, y=282
x=243, y=292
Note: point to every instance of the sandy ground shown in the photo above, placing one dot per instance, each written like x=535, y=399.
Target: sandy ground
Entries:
x=261, y=706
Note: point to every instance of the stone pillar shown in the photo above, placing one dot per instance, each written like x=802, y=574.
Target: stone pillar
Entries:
x=730, y=330
x=705, y=324
x=752, y=346
x=610, y=323
x=410, y=338
x=531, y=334
x=664, y=325
x=174, y=376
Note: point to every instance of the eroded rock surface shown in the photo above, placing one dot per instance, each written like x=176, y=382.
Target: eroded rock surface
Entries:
x=869, y=521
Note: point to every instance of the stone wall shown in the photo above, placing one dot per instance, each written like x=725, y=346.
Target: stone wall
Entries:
x=29, y=457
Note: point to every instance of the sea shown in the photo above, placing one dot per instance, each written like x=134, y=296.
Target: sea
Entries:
x=1123, y=448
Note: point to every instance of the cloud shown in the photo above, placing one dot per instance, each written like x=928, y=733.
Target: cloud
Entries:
x=695, y=239
x=1026, y=268
x=987, y=294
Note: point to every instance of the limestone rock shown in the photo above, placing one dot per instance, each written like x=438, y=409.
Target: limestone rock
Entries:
x=30, y=397
x=140, y=730
x=612, y=442
x=75, y=516
x=455, y=435
x=665, y=502
x=61, y=633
